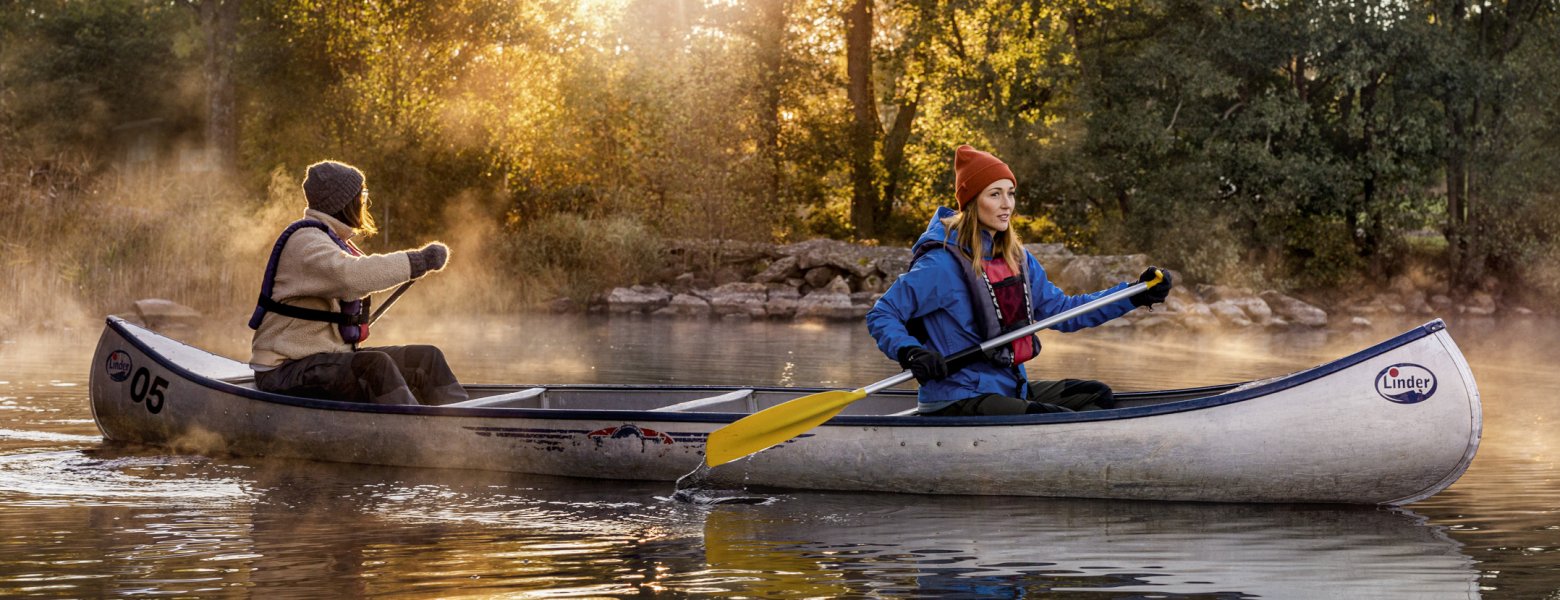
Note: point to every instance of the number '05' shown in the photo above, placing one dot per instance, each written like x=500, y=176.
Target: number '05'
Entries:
x=143, y=386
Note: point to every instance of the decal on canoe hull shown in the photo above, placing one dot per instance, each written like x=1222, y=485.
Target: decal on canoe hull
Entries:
x=118, y=365
x=1406, y=383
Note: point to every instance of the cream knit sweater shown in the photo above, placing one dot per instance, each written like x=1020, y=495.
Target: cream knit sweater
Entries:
x=313, y=272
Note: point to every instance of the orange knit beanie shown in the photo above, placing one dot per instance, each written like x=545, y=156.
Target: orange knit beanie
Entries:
x=973, y=170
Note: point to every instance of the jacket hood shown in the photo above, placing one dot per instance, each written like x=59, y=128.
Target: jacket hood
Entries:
x=937, y=232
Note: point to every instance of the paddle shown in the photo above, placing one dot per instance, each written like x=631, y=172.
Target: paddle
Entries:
x=776, y=424
x=396, y=295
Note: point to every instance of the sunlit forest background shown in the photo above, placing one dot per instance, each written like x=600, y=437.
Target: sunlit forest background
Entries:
x=154, y=148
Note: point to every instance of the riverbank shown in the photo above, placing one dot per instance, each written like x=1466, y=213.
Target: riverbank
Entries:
x=833, y=280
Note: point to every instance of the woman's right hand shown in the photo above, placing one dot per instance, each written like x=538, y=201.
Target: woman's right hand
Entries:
x=926, y=365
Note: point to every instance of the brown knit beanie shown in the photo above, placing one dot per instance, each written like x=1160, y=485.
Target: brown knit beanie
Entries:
x=973, y=170
x=330, y=186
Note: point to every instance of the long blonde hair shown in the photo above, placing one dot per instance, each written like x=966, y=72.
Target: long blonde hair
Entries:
x=965, y=228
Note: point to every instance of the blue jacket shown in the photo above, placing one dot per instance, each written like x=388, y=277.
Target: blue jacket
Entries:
x=934, y=291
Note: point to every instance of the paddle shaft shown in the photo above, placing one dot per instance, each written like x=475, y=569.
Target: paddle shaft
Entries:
x=966, y=356
x=396, y=295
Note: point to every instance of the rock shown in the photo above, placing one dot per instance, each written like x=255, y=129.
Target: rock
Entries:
x=1255, y=308
x=748, y=299
x=782, y=302
x=563, y=304
x=820, y=276
x=1215, y=293
x=729, y=274
x=1090, y=273
x=1441, y=302
x=1177, y=302
x=874, y=284
x=838, y=286
x=1294, y=310
x=684, y=282
x=1157, y=322
x=848, y=258
x=893, y=265
x=1523, y=310
x=1481, y=304
x=1230, y=313
x=637, y=299
x=824, y=305
x=158, y=313
x=684, y=305
x=1198, y=316
x=1360, y=322
x=778, y=271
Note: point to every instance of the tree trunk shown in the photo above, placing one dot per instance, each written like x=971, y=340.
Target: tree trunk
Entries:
x=769, y=37
x=219, y=23
x=864, y=125
x=894, y=155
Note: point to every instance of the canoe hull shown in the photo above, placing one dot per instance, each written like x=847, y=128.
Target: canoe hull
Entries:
x=1329, y=434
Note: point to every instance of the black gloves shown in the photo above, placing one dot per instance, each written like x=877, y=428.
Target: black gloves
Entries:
x=927, y=365
x=1155, y=294
x=428, y=258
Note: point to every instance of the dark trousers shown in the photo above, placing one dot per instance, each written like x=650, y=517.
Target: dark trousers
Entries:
x=380, y=375
x=1066, y=395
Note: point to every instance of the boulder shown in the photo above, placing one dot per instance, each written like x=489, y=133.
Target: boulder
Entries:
x=782, y=302
x=158, y=313
x=822, y=304
x=637, y=299
x=1198, y=316
x=1360, y=322
x=838, y=286
x=820, y=276
x=1294, y=310
x=874, y=284
x=748, y=299
x=779, y=271
x=1480, y=304
x=1230, y=313
x=845, y=257
x=1255, y=308
x=1090, y=273
x=684, y=305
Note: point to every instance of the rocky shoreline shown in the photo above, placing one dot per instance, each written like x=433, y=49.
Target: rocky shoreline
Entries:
x=837, y=281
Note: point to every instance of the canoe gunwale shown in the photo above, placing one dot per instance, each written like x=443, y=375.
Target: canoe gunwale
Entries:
x=1218, y=399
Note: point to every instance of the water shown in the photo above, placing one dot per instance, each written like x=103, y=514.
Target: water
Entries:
x=80, y=519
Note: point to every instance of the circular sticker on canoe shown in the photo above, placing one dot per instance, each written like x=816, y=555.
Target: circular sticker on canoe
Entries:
x=118, y=365
x=1406, y=383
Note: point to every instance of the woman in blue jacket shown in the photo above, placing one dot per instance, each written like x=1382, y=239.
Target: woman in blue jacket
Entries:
x=952, y=299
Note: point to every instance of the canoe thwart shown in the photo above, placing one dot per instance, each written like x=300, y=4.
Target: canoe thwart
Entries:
x=500, y=399
x=732, y=396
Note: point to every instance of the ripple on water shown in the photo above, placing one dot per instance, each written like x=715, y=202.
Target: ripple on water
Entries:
x=74, y=478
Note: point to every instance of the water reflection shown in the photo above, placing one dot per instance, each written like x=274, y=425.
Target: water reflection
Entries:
x=125, y=523
x=942, y=546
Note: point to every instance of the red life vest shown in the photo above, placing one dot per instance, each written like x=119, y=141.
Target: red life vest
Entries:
x=1010, y=295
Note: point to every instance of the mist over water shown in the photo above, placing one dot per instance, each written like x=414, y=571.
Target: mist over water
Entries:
x=78, y=518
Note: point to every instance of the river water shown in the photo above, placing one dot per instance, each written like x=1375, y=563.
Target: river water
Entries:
x=81, y=519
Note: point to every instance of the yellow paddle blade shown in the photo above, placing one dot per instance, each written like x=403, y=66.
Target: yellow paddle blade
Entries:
x=775, y=425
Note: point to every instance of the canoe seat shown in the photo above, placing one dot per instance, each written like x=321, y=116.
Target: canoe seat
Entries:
x=500, y=399
x=733, y=396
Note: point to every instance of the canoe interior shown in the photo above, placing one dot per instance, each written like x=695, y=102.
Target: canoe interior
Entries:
x=681, y=399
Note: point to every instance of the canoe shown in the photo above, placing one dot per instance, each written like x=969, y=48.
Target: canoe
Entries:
x=1391, y=424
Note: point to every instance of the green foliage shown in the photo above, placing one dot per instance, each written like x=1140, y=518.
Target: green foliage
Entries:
x=1289, y=142
x=574, y=256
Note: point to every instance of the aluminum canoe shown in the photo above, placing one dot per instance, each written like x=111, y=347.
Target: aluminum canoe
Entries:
x=1391, y=424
